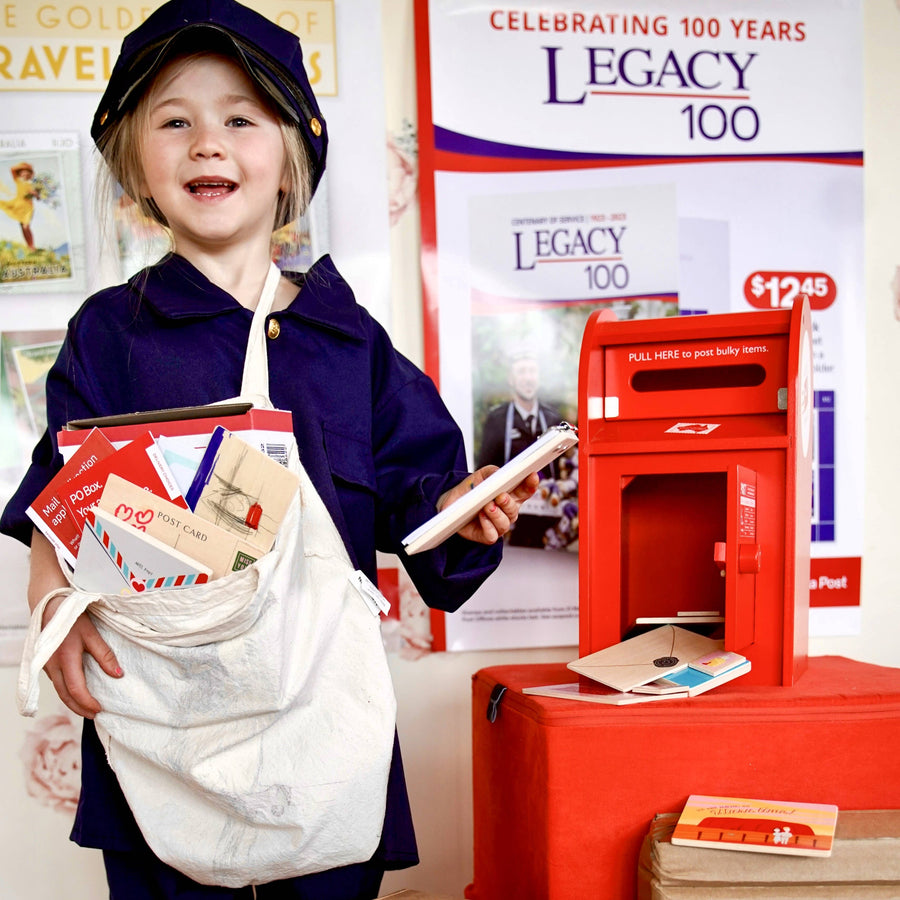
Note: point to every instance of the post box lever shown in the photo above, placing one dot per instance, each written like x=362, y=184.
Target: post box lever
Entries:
x=719, y=556
x=749, y=556
x=748, y=559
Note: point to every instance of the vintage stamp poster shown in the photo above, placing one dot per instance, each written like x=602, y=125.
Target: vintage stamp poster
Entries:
x=41, y=231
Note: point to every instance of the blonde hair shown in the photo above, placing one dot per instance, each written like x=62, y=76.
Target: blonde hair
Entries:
x=121, y=146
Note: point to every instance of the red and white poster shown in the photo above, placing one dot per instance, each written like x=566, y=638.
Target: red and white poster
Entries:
x=664, y=159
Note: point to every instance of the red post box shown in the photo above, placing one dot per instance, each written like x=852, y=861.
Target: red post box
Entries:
x=695, y=481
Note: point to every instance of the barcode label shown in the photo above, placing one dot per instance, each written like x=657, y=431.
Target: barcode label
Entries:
x=278, y=452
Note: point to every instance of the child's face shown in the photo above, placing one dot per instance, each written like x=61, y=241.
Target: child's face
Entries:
x=213, y=155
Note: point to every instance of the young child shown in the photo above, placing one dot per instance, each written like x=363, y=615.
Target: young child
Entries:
x=210, y=125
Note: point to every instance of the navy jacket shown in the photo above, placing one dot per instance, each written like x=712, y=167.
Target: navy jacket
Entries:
x=374, y=437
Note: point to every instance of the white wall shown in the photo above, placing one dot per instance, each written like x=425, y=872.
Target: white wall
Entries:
x=36, y=861
x=877, y=641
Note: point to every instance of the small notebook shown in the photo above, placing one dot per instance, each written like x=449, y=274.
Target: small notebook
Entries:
x=551, y=444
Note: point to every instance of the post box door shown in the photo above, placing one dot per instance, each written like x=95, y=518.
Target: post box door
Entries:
x=742, y=559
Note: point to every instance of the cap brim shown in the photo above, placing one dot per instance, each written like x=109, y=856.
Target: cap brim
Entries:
x=149, y=63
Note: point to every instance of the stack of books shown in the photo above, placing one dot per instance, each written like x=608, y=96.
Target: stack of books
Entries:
x=167, y=499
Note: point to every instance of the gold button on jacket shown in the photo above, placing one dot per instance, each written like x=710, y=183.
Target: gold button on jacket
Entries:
x=274, y=329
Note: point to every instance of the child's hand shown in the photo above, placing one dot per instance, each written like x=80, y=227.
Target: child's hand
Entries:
x=66, y=667
x=495, y=519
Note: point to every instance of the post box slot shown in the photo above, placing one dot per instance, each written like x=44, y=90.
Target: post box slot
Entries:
x=740, y=376
x=698, y=378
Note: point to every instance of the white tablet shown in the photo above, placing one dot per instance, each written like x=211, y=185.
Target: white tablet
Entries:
x=551, y=444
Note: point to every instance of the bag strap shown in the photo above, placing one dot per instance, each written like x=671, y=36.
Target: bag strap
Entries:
x=40, y=644
x=255, y=381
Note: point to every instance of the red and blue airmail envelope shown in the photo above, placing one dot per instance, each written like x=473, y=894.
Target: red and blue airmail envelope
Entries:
x=117, y=558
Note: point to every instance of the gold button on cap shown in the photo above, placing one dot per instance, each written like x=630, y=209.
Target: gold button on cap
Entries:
x=315, y=126
x=274, y=329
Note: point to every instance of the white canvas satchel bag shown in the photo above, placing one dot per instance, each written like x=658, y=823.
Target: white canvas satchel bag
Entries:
x=253, y=728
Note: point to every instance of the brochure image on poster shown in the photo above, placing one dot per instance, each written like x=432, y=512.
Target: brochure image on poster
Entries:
x=539, y=263
x=41, y=235
x=589, y=244
x=521, y=388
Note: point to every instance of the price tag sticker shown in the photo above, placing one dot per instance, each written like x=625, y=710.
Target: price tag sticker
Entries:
x=779, y=290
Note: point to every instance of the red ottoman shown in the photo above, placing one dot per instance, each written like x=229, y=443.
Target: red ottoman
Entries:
x=564, y=791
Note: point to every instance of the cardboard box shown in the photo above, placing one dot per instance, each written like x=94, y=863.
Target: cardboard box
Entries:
x=865, y=863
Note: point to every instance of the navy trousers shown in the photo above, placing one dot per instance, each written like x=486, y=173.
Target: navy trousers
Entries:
x=140, y=875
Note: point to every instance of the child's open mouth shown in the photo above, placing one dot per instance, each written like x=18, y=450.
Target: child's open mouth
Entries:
x=211, y=188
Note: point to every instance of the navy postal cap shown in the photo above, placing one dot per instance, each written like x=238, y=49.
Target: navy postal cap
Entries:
x=268, y=52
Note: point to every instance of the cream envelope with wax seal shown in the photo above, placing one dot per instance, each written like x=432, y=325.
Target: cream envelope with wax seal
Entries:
x=646, y=657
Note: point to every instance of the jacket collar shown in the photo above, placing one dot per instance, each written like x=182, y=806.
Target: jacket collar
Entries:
x=175, y=289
